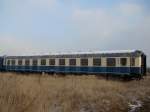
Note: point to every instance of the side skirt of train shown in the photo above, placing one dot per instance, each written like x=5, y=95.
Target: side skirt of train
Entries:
x=103, y=71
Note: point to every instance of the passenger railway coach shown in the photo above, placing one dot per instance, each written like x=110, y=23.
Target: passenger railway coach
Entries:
x=125, y=63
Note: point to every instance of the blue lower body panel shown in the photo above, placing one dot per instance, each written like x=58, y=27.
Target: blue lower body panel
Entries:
x=65, y=69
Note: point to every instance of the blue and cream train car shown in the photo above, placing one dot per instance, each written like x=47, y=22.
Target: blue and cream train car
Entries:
x=126, y=63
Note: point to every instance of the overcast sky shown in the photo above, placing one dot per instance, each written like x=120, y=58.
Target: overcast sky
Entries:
x=44, y=26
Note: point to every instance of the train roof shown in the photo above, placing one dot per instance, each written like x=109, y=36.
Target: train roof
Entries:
x=116, y=53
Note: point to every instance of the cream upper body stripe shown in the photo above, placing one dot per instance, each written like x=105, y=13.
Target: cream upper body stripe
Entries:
x=90, y=61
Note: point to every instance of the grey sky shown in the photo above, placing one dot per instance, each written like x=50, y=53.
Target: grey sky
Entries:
x=43, y=26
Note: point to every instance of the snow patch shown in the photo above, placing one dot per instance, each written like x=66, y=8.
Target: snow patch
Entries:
x=135, y=106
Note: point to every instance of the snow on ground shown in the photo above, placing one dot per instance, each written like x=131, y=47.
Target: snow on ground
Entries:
x=135, y=106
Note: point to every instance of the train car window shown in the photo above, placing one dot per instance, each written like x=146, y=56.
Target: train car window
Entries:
x=13, y=62
x=132, y=61
x=61, y=61
x=8, y=62
x=51, y=61
x=123, y=61
x=34, y=62
x=84, y=62
x=27, y=62
x=111, y=62
x=43, y=61
x=72, y=62
x=19, y=62
x=97, y=62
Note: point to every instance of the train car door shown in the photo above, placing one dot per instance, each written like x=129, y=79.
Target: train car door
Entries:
x=143, y=65
x=1, y=63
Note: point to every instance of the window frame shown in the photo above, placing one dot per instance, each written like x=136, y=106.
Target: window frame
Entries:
x=13, y=64
x=60, y=62
x=122, y=63
x=108, y=64
x=95, y=63
x=8, y=62
x=27, y=62
x=74, y=63
x=82, y=63
x=20, y=64
x=52, y=62
x=43, y=62
x=132, y=63
x=33, y=62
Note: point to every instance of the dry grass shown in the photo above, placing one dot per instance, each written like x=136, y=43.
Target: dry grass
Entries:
x=44, y=93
